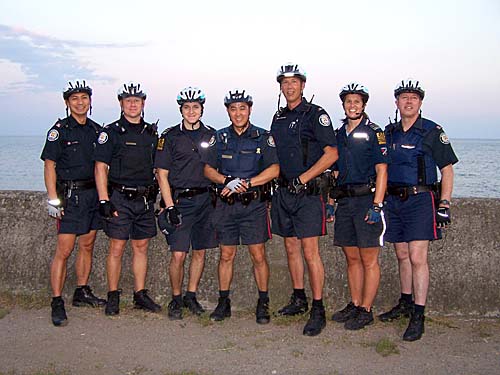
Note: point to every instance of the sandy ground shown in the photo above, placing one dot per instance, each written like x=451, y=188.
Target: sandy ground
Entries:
x=139, y=343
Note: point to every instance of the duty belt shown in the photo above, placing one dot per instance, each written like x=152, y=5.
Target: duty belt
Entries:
x=189, y=192
x=313, y=187
x=343, y=191
x=133, y=192
x=245, y=198
x=403, y=192
x=78, y=184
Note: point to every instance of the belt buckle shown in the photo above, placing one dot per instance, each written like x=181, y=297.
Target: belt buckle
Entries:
x=403, y=194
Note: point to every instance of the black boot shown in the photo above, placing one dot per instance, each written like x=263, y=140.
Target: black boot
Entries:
x=222, y=311
x=295, y=306
x=262, y=311
x=193, y=305
x=415, y=328
x=83, y=296
x=361, y=319
x=59, y=318
x=144, y=302
x=174, y=310
x=113, y=305
x=316, y=322
x=403, y=308
x=345, y=314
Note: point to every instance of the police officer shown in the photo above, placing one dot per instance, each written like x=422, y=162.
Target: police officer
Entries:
x=359, y=192
x=127, y=192
x=306, y=147
x=415, y=212
x=187, y=196
x=242, y=162
x=72, y=196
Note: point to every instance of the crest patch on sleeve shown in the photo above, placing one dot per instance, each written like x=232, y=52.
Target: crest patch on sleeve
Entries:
x=324, y=120
x=444, y=138
x=103, y=138
x=53, y=135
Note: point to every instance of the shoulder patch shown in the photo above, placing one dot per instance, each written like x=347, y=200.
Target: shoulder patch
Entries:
x=53, y=135
x=103, y=138
x=444, y=138
x=161, y=143
x=324, y=120
x=270, y=141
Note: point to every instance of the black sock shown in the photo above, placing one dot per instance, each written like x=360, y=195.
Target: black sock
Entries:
x=177, y=298
x=406, y=297
x=317, y=302
x=224, y=293
x=299, y=293
x=419, y=309
x=58, y=298
x=190, y=295
x=264, y=296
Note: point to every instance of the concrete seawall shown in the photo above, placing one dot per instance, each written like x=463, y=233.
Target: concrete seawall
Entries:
x=464, y=266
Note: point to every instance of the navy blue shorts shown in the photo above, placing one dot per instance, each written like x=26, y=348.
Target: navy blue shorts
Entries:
x=351, y=229
x=81, y=214
x=196, y=230
x=298, y=215
x=249, y=223
x=135, y=220
x=411, y=220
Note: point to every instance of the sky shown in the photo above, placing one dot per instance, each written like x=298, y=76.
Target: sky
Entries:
x=451, y=47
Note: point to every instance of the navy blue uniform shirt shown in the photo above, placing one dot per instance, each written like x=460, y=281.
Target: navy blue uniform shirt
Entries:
x=415, y=154
x=178, y=152
x=129, y=151
x=244, y=155
x=359, y=152
x=71, y=146
x=301, y=134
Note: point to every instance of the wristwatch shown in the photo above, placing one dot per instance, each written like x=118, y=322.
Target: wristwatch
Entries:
x=445, y=202
x=380, y=205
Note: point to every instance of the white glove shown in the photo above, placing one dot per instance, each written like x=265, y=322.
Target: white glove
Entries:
x=55, y=208
x=234, y=184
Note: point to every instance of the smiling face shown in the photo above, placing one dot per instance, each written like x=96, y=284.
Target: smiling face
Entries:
x=353, y=106
x=79, y=103
x=191, y=112
x=239, y=114
x=292, y=88
x=409, y=104
x=132, y=108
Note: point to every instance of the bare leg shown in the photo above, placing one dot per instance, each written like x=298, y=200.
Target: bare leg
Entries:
x=260, y=266
x=140, y=263
x=176, y=271
x=314, y=266
x=295, y=262
x=83, y=264
x=196, y=269
x=355, y=273
x=65, y=245
x=227, y=255
x=420, y=270
x=369, y=258
x=114, y=262
x=405, y=269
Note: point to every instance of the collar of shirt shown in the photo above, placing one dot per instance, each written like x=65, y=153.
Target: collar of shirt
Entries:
x=72, y=123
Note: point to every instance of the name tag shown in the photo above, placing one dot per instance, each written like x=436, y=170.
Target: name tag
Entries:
x=227, y=156
x=408, y=147
x=131, y=143
x=361, y=136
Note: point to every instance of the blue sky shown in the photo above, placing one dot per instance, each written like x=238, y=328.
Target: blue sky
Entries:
x=452, y=47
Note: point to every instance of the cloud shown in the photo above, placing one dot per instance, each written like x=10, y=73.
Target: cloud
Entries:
x=46, y=62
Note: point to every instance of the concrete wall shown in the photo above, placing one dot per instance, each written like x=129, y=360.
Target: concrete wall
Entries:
x=465, y=265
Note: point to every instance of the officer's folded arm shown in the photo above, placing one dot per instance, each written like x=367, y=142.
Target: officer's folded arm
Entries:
x=326, y=160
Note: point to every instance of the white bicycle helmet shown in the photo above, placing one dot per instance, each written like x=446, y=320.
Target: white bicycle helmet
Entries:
x=409, y=85
x=130, y=89
x=191, y=94
x=290, y=70
x=354, y=88
x=238, y=95
x=76, y=87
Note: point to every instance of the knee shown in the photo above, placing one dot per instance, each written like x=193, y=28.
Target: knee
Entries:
x=311, y=256
x=402, y=256
x=63, y=252
x=353, y=259
x=259, y=260
x=177, y=257
x=417, y=260
x=198, y=255
x=227, y=257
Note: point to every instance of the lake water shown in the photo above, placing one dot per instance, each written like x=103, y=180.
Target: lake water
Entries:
x=475, y=173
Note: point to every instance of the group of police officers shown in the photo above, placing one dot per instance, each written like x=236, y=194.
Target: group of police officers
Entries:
x=217, y=185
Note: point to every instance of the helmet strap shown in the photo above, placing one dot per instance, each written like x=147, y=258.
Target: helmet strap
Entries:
x=67, y=113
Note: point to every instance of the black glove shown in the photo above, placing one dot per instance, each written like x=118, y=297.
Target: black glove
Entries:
x=174, y=217
x=106, y=209
x=443, y=217
x=163, y=222
x=296, y=186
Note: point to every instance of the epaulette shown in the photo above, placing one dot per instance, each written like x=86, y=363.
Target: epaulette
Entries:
x=165, y=132
x=61, y=123
x=116, y=127
x=209, y=127
x=374, y=126
x=255, y=133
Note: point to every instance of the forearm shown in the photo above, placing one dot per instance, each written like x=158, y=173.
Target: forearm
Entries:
x=329, y=157
x=213, y=175
x=50, y=177
x=266, y=175
x=166, y=193
x=447, y=176
x=380, y=183
x=101, y=180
